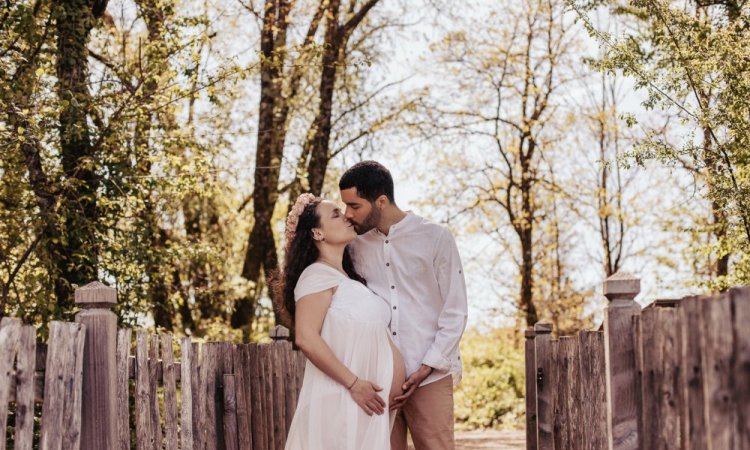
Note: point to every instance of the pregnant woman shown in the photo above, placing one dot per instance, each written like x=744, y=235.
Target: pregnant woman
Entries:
x=353, y=370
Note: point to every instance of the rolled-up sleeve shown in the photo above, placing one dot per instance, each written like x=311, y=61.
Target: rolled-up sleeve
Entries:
x=452, y=318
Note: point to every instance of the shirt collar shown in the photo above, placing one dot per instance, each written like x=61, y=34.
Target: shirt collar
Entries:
x=401, y=224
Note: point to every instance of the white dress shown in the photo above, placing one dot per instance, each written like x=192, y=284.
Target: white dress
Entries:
x=356, y=329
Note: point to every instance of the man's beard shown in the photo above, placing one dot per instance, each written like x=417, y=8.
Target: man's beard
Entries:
x=370, y=222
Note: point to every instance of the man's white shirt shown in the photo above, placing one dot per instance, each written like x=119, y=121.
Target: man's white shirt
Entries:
x=417, y=268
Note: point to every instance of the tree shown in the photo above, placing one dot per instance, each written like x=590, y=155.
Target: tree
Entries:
x=279, y=90
x=689, y=59
x=521, y=69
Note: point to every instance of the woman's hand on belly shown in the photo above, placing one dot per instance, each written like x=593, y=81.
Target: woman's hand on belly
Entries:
x=365, y=394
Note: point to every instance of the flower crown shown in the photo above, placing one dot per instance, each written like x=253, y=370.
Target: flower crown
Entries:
x=293, y=218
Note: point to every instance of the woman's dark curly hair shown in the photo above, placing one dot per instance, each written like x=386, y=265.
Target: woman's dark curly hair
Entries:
x=302, y=252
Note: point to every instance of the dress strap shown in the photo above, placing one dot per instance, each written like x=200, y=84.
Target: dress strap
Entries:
x=317, y=277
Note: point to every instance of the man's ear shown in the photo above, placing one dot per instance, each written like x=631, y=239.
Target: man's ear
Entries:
x=382, y=201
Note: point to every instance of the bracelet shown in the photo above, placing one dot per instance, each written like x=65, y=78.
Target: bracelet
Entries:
x=353, y=383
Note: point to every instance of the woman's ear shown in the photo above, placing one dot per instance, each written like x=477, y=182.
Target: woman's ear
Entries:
x=318, y=235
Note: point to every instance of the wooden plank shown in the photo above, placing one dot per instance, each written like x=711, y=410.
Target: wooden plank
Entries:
x=143, y=425
x=638, y=367
x=123, y=388
x=294, y=370
x=210, y=363
x=230, y=413
x=73, y=390
x=54, y=387
x=721, y=411
x=530, y=371
x=10, y=331
x=256, y=399
x=568, y=400
x=649, y=378
x=558, y=378
x=289, y=378
x=24, y=377
x=544, y=385
x=741, y=369
x=693, y=424
x=61, y=410
x=170, y=393
x=279, y=421
x=244, y=439
x=592, y=390
x=667, y=387
x=267, y=394
x=186, y=395
x=153, y=383
x=197, y=396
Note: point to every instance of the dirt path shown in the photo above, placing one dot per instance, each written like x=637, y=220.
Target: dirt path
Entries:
x=486, y=440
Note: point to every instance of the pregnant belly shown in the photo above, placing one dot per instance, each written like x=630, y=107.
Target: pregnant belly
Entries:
x=399, y=372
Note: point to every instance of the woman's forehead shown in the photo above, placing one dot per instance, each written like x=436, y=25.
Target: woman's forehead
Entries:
x=328, y=206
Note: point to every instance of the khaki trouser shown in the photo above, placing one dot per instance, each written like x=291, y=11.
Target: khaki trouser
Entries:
x=428, y=414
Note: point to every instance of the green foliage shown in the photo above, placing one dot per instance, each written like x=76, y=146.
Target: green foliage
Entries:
x=491, y=393
x=692, y=61
x=166, y=231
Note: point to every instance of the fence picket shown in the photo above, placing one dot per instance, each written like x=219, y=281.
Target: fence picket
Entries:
x=592, y=390
x=229, y=409
x=123, y=389
x=244, y=438
x=61, y=409
x=741, y=370
x=170, y=392
x=259, y=430
x=25, y=368
x=693, y=425
x=530, y=368
x=544, y=385
x=721, y=411
x=186, y=394
x=143, y=425
x=10, y=330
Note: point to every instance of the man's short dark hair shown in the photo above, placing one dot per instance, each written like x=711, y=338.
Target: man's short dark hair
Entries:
x=370, y=178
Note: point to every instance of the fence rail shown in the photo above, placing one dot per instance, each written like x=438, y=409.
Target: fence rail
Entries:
x=104, y=388
x=674, y=375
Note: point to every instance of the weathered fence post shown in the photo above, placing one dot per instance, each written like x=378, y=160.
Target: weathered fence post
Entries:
x=530, y=390
x=98, y=413
x=544, y=386
x=622, y=412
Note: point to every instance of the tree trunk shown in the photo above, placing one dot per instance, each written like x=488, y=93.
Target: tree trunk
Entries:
x=526, y=235
x=321, y=127
x=154, y=14
x=719, y=220
x=77, y=264
x=261, y=245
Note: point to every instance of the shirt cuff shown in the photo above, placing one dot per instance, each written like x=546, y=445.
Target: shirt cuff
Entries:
x=437, y=361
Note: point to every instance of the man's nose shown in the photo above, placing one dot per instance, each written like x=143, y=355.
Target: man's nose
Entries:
x=348, y=213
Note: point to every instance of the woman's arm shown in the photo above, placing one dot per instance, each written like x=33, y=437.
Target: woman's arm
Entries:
x=310, y=312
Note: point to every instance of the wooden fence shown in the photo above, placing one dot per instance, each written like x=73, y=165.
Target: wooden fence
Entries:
x=104, y=388
x=674, y=375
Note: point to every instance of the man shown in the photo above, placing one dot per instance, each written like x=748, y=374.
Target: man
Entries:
x=415, y=265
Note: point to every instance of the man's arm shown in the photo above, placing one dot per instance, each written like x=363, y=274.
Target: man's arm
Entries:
x=452, y=319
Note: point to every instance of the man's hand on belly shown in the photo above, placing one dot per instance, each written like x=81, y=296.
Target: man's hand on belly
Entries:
x=410, y=385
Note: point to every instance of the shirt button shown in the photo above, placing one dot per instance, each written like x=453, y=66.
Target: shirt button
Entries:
x=386, y=241
x=393, y=287
x=394, y=333
x=394, y=307
x=387, y=264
